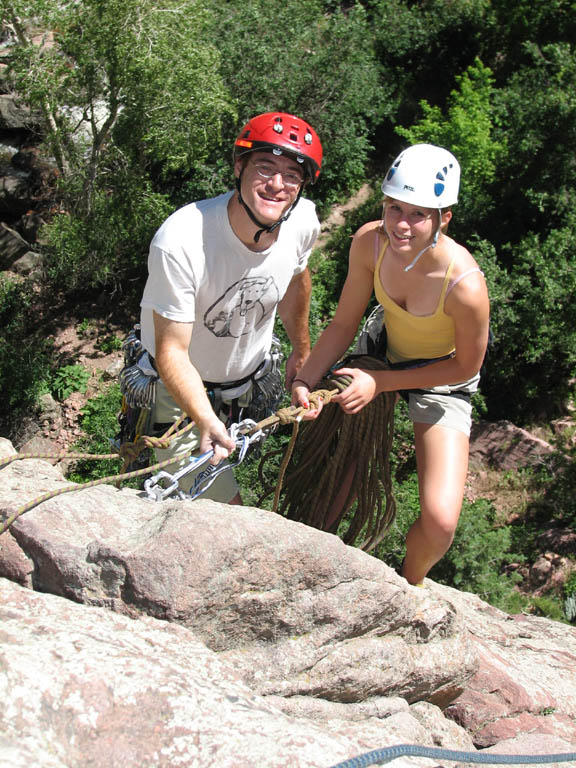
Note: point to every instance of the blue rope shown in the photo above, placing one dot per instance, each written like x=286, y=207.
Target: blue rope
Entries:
x=385, y=755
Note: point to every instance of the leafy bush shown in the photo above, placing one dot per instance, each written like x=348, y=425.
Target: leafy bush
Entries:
x=326, y=73
x=69, y=379
x=468, y=130
x=24, y=350
x=109, y=343
x=100, y=423
x=123, y=207
x=534, y=356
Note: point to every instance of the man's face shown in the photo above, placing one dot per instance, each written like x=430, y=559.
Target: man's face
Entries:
x=270, y=184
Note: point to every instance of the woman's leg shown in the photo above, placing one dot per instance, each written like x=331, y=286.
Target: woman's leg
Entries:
x=442, y=461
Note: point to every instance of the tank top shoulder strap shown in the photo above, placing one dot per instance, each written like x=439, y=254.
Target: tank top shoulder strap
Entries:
x=446, y=284
x=455, y=282
x=379, y=247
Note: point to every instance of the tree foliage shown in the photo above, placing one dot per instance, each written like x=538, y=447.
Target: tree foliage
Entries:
x=125, y=87
x=295, y=57
x=468, y=129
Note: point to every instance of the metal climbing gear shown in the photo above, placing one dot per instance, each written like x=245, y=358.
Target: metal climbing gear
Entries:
x=138, y=377
x=372, y=337
x=267, y=385
x=138, y=386
x=164, y=484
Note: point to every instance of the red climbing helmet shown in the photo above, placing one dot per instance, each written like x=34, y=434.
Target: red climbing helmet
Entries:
x=281, y=133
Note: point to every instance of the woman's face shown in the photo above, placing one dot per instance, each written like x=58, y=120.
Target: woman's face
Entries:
x=409, y=227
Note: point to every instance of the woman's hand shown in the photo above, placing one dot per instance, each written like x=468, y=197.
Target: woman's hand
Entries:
x=359, y=392
x=300, y=398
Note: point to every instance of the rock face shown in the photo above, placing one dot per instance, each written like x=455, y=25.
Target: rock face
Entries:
x=506, y=446
x=194, y=633
x=526, y=678
x=25, y=179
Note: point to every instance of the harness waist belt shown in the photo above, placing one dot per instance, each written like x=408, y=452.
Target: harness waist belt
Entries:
x=226, y=384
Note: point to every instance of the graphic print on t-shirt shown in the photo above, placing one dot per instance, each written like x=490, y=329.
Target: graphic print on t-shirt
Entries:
x=243, y=307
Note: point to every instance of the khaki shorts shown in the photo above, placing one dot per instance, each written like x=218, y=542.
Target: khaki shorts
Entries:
x=445, y=410
x=224, y=487
x=447, y=406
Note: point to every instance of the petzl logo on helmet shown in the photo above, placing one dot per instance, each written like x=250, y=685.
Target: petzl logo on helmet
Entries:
x=409, y=188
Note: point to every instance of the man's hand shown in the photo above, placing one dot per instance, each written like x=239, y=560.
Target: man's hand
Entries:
x=214, y=437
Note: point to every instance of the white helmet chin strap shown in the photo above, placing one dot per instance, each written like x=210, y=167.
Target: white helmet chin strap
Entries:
x=433, y=244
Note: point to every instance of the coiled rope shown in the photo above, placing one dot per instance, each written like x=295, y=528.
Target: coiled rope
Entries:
x=386, y=754
x=339, y=454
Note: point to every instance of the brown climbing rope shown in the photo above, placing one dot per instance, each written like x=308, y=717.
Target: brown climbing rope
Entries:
x=339, y=459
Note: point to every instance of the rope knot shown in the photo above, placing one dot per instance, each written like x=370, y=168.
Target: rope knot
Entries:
x=289, y=415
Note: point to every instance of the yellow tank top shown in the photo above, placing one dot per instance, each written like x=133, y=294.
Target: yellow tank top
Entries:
x=415, y=337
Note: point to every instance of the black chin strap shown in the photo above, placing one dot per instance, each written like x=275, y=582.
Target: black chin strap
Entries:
x=265, y=227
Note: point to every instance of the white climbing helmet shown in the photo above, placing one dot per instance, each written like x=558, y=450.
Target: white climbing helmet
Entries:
x=424, y=175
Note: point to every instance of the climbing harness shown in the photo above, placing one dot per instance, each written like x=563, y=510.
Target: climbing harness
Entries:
x=244, y=434
x=387, y=754
x=254, y=397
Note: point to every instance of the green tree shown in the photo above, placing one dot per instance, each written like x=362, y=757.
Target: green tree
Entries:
x=296, y=57
x=421, y=46
x=468, y=130
x=124, y=88
x=533, y=362
x=536, y=110
x=24, y=357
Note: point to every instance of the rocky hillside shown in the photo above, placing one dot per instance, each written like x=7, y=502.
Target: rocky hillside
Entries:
x=198, y=634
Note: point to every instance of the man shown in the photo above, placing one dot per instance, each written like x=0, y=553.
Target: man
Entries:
x=219, y=270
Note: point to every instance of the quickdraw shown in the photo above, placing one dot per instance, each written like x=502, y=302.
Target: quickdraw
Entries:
x=244, y=434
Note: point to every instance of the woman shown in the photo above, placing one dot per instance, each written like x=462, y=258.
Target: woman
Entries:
x=436, y=317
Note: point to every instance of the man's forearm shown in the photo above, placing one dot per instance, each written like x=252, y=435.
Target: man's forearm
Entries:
x=294, y=311
x=184, y=383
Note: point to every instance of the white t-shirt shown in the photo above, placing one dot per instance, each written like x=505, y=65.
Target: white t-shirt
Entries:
x=199, y=272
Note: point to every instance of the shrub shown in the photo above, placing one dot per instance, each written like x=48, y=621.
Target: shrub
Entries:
x=69, y=379
x=99, y=422
x=24, y=350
